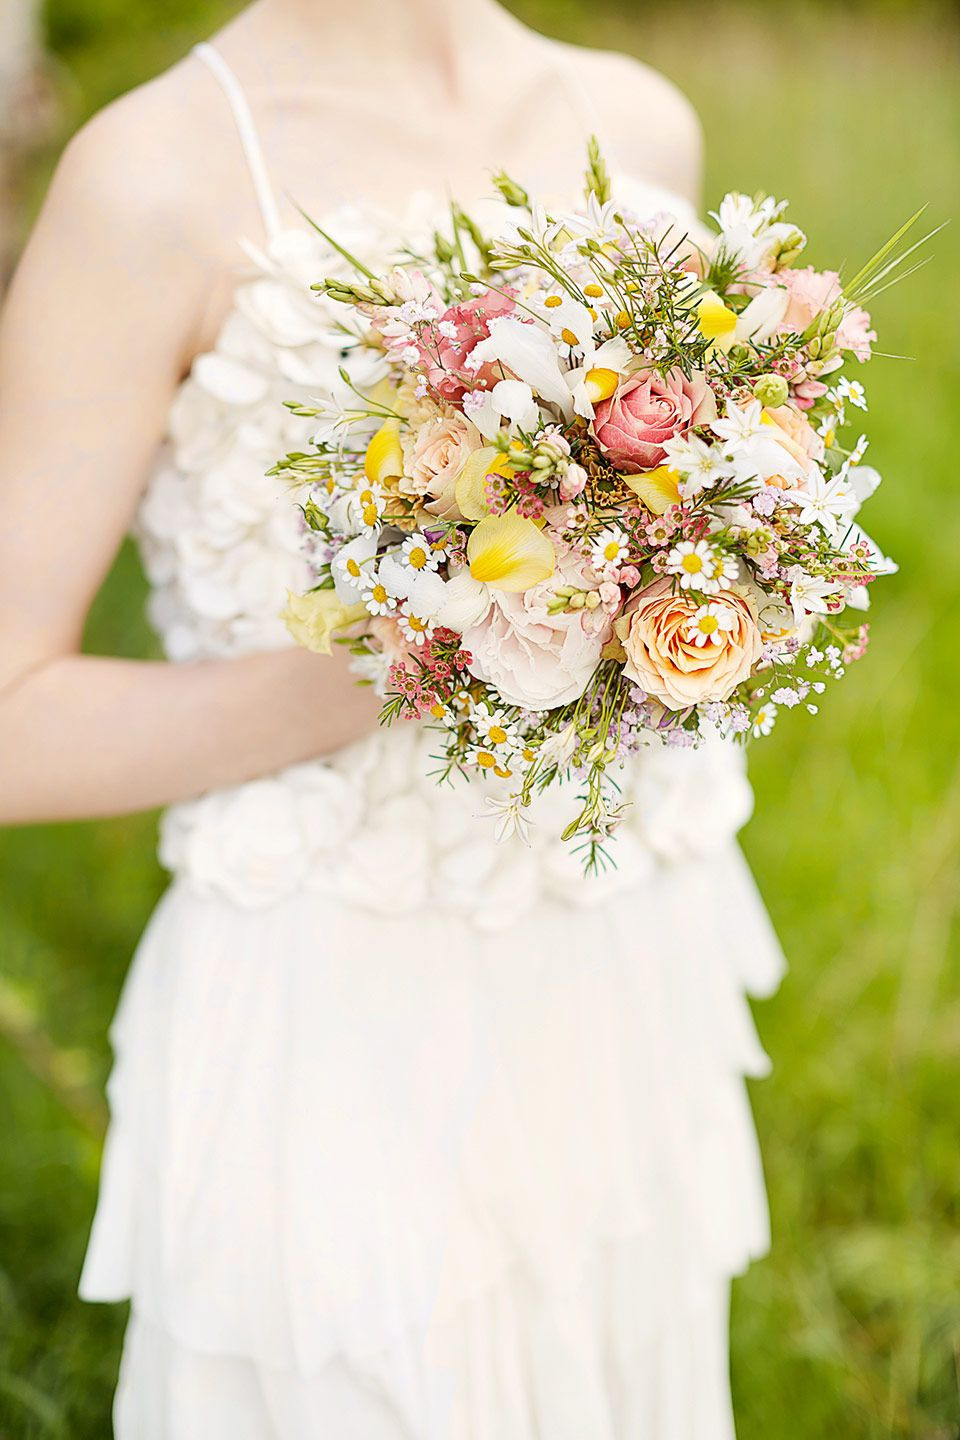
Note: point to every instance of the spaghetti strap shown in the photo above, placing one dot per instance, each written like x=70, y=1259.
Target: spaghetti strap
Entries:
x=247, y=131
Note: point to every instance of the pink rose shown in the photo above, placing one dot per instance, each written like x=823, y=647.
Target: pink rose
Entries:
x=663, y=658
x=446, y=344
x=813, y=291
x=633, y=426
x=535, y=659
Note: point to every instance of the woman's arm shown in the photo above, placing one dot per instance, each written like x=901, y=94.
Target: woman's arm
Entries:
x=99, y=326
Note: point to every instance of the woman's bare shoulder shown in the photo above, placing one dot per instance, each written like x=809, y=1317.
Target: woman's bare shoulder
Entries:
x=163, y=160
x=653, y=126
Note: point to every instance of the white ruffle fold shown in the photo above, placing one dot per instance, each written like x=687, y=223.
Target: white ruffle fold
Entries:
x=491, y=1176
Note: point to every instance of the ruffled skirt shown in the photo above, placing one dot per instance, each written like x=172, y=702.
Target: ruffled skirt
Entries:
x=402, y=1179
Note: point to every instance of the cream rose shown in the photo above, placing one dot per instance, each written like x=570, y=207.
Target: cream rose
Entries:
x=795, y=434
x=435, y=462
x=663, y=658
x=536, y=659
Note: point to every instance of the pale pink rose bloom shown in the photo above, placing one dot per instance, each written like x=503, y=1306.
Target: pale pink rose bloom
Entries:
x=668, y=665
x=649, y=409
x=444, y=355
x=435, y=462
x=535, y=659
x=813, y=291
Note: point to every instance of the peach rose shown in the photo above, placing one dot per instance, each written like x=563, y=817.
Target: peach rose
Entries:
x=649, y=409
x=796, y=434
x=436, y=459
x=535, y=659
x=663, y=658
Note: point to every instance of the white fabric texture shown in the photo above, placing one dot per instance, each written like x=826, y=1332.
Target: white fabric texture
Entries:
x=414, y=1136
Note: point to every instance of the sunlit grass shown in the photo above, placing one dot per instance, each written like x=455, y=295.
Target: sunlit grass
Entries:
x=851, y=1327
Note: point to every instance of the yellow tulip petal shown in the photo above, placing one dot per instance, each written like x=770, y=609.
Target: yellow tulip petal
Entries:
x=314, y=619
x=657, y=489
x=470, y=486
x=384, y=458
x=600, y=384
x=509, y=552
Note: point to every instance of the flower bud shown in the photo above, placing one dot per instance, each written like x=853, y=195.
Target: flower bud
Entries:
x=771, y=390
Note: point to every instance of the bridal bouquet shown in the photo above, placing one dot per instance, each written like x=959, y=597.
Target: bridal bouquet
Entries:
x=598, y=487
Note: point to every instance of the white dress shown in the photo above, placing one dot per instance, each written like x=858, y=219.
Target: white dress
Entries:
x=414, y=1136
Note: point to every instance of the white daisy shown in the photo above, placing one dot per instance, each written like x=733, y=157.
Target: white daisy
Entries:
x=693, y=562
x=377, y=597
x=709, y=622
x=850, y=390
x=415, y=628
x=417, y=552
x=763, y=720
x=609, y=548
x=488, y=761
x=493, y=727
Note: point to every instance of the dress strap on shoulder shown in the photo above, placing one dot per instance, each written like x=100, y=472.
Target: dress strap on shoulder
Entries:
x=247, y=130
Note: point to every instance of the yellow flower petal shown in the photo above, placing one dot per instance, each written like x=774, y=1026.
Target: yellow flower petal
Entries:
x=469, y=490
x=313, y=619
x=509, y=552
x=657, y=489
x=717, y=321
x=600, y=384
x=384, y=458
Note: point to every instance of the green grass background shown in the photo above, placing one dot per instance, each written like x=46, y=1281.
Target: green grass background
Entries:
x=851, y=1328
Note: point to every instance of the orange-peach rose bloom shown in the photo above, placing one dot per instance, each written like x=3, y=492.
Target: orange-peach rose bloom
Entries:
x=663, y=659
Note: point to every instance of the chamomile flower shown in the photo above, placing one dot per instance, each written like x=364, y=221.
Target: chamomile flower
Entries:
x=414, y=628
x=692, y=562
x=609, y=548
x=708, y=623
x=493, y=728
x=377, y=597
x=417, y=552
x=369, y=507
x=763, y=720
x=850, y=390
x=488, y=761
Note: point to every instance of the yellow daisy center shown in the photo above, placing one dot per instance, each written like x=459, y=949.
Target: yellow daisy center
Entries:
x=417, y=557
x=486, y=761
x=593, y=290
x=379, y=594
x=611, y=550
x=568, y=337
x=416, y=623
x=707, y=624
x=552, y=301
x=353, y=568
x=692, y=564
x=496, y=735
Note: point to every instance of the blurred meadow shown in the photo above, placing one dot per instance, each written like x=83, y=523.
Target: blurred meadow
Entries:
x=851, y=1328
